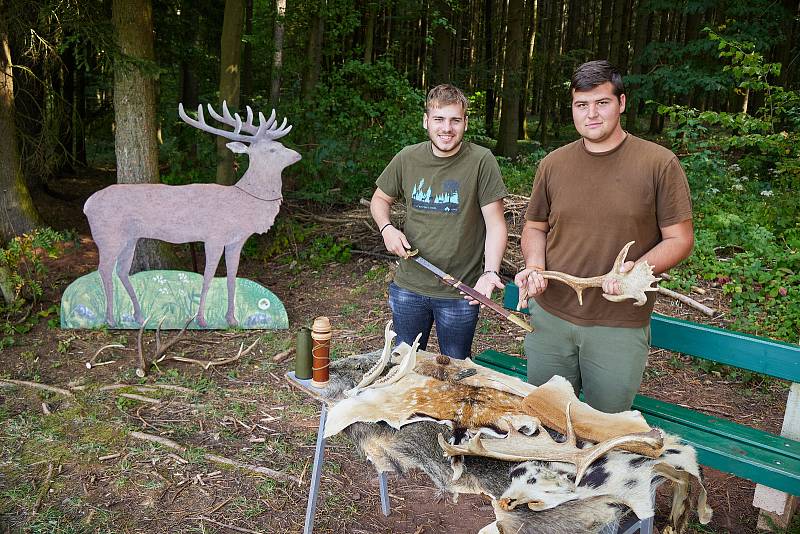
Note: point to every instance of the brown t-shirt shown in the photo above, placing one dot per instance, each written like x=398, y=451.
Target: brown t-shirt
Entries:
x=594, y=204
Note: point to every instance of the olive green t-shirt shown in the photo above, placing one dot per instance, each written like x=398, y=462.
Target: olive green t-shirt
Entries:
x=595, y=203
x=443, y=199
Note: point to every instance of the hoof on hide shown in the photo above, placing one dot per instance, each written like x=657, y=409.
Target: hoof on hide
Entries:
x=536, y=506
x=507, y=504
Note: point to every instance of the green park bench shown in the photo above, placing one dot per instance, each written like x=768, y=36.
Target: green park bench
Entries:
x=767, y=459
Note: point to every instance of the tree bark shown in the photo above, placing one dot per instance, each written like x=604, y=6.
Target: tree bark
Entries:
x=17, y=213
x=135, y=114
x=618, y=33
x=369, y=36
x=316, y=34
x=512, y=81
x=247, y=55
x=530, y=27
x=442, y=43
x=229, y=80
x=79, y=116
x=603, y=29
x=634, y=100
x=277, y=61
x=489, y=64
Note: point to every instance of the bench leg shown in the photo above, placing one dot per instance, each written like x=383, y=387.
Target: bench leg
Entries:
x=385, y=504
x=316, y=472
x=776, y=505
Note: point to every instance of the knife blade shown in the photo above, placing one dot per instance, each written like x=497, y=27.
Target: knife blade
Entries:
x=472, y=292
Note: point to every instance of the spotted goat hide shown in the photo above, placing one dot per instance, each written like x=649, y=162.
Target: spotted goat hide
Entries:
x=474, y=430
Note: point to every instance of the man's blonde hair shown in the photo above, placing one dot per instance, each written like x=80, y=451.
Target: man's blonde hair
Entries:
x=445, y=95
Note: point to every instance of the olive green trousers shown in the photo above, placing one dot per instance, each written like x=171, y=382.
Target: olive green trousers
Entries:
x=605, y=362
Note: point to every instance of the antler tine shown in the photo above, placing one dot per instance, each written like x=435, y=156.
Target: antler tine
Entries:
x=271, y=120
x=248, y=125
x=249, y=114
x=653, y=439
x=370, y=376
x=571, y=439
x=226, y=117
x=620, y=259
x=200, y=124
x=397, y=372
x=234, y=120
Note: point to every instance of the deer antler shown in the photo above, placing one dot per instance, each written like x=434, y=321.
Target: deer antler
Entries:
x=517, y=447
x=266, y=129
x=634, y=283
x=397, y=372
x=370, y=376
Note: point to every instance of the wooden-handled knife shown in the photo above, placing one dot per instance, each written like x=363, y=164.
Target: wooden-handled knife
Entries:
x=467, y=290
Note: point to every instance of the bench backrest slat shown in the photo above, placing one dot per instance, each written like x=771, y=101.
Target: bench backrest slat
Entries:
x=753, y=353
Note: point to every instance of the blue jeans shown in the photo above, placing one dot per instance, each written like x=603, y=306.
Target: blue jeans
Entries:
x=413, y=314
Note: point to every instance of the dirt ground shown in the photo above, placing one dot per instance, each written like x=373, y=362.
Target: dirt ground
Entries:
x=70, y=461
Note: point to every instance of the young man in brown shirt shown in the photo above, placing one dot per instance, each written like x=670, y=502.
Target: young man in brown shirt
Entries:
x=589, y=198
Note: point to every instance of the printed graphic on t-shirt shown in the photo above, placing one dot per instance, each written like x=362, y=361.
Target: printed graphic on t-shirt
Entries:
x=423, y=196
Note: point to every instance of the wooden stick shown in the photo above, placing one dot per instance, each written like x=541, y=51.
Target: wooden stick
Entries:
x=688, y=301
x=166, y=442
x=225, y=525
x=43, y=489
x=140, y=398
x=283, y=356
x=38, y=385
x=172, y=387
x=212, y=363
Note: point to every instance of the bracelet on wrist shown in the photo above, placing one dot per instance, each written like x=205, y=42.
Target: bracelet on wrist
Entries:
x=495, y=272
x=384, y=227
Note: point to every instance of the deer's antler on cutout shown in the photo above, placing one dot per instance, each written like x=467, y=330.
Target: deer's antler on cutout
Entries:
x=634, y=283
x=517, y=447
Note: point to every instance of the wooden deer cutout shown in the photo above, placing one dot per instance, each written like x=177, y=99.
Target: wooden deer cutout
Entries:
x=222, y=217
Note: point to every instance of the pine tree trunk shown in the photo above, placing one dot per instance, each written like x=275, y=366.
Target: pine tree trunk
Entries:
x=369, y=36
x=489, y=64
x=512, y=81
x=79, y=116
x=229, y=79
x=277, y=61
x=17, y=213
x=316, y=33
x=442, y=45
x=634, y=100
x=135, y=115
x=247, y=56
x=617, y=33
x=603, y=30
x=530, y=26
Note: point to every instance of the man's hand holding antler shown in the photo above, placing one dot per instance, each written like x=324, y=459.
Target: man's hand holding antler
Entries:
x=613, y=286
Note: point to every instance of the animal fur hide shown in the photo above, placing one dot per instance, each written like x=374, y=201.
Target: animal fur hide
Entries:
x=399, y=420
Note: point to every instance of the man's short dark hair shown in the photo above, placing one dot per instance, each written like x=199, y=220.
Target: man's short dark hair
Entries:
x=593, y=73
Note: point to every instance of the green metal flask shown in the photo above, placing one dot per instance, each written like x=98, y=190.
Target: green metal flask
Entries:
x=302, y=361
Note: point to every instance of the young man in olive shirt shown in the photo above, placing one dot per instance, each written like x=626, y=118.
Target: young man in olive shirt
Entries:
x=453, y=193
x=590, y=198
